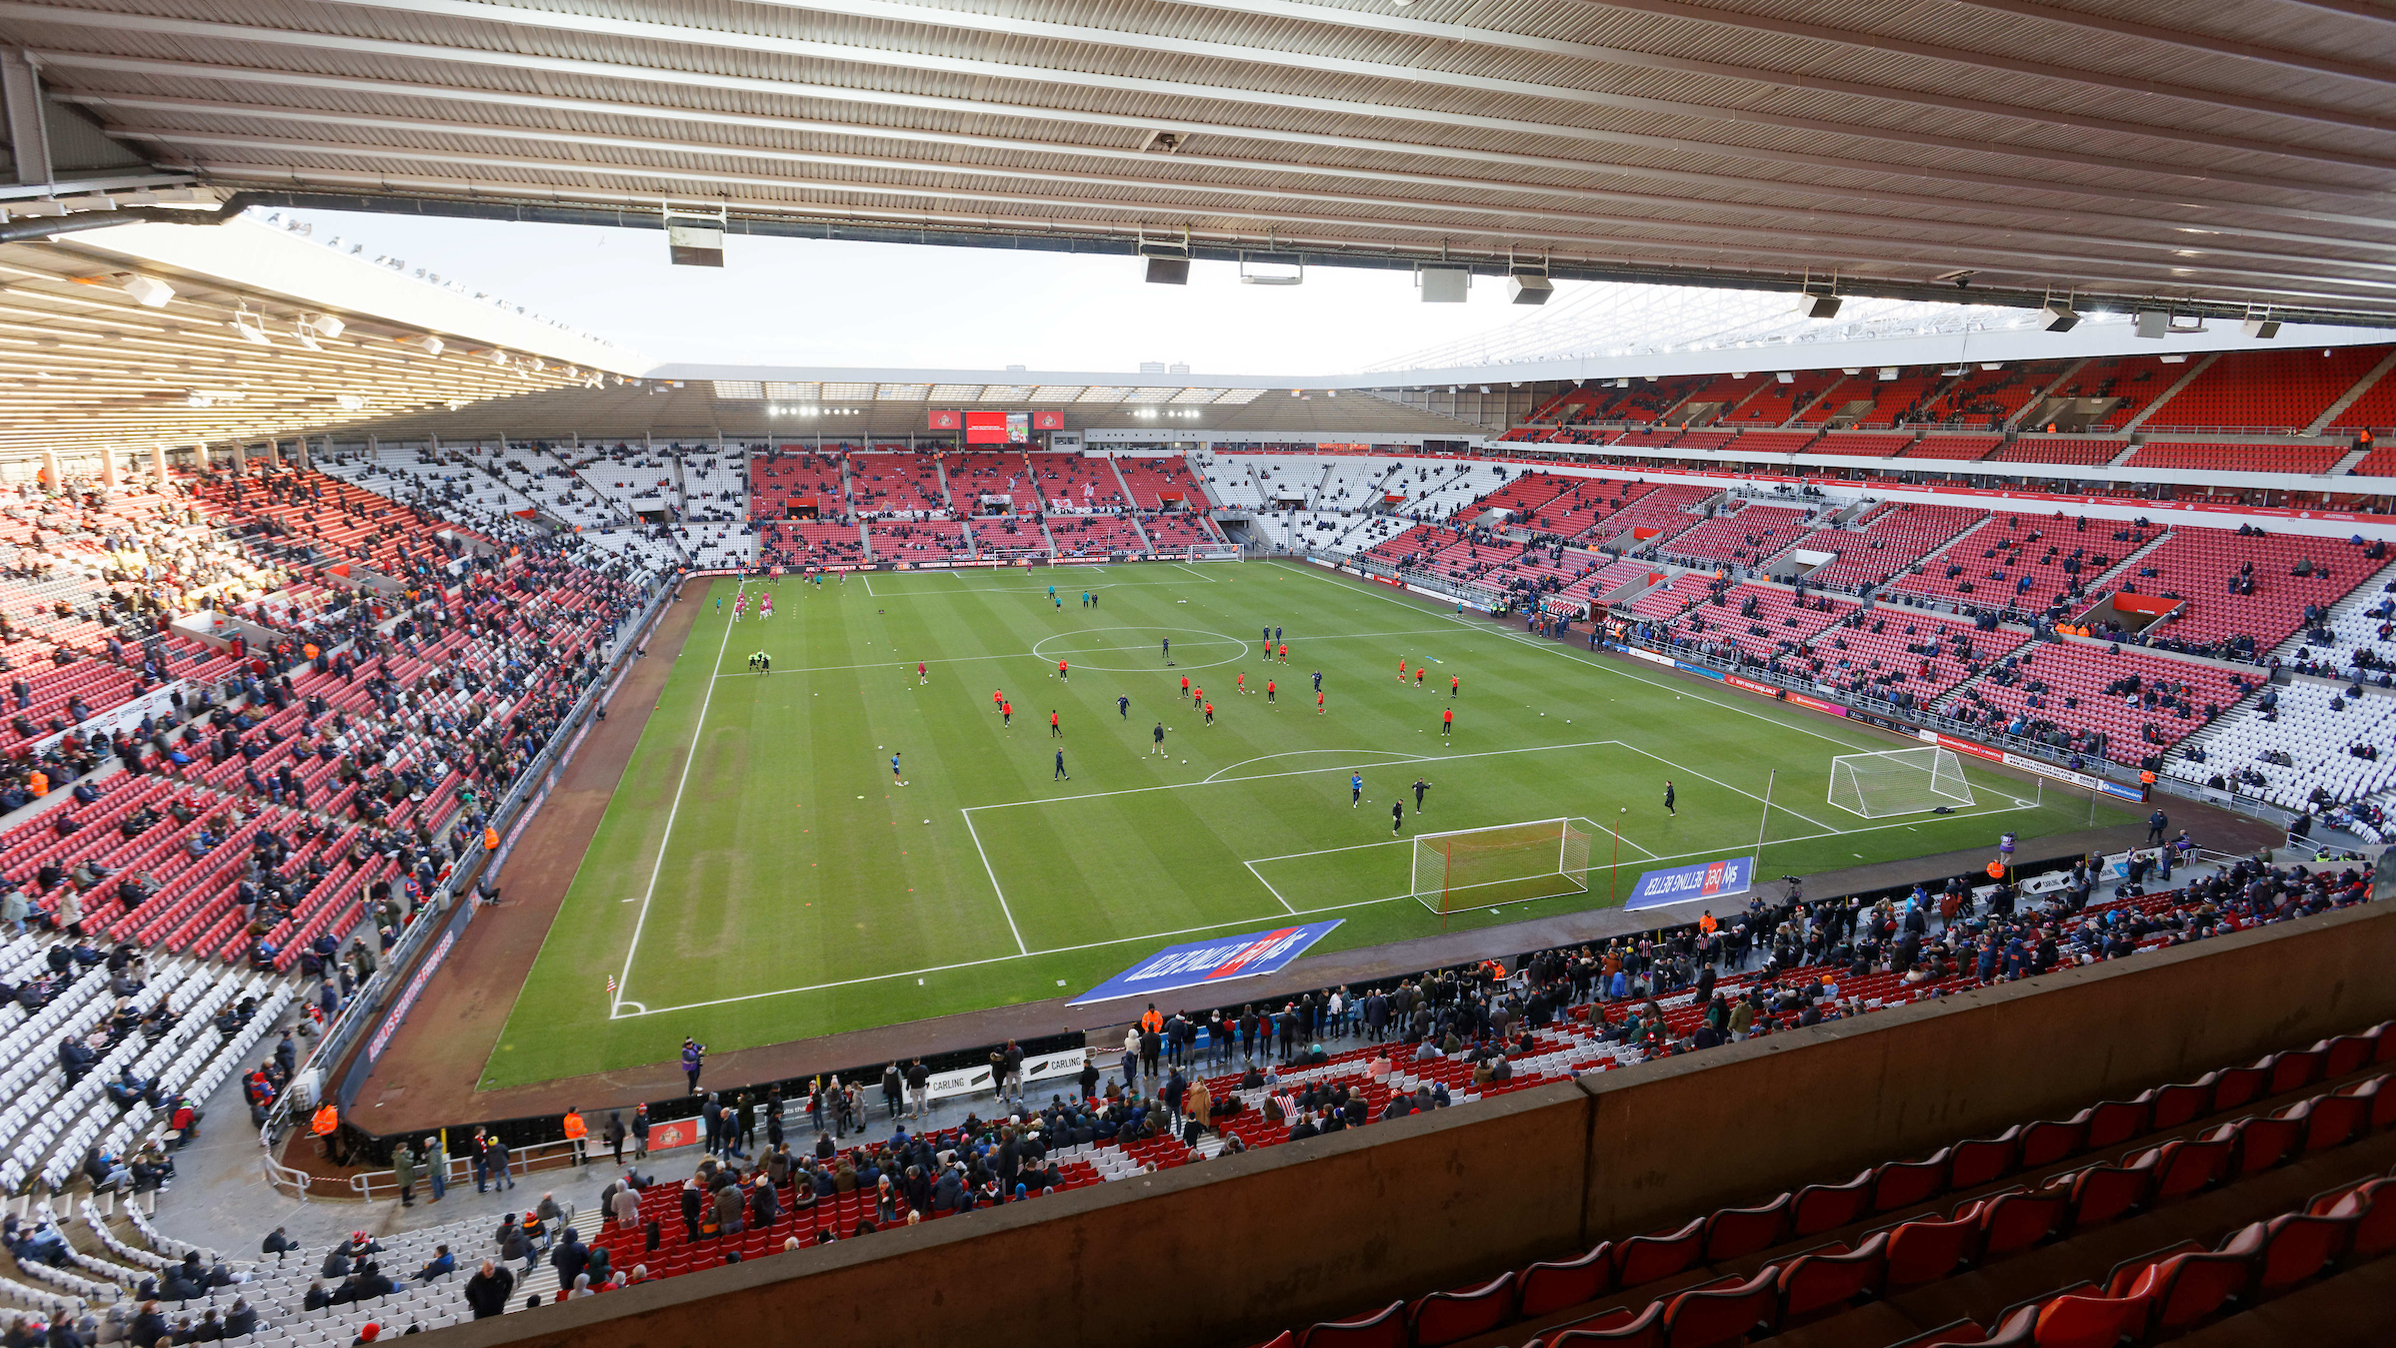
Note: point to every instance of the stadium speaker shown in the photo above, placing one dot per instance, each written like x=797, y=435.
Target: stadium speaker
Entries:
x=1168, y=271
x=2262, y=329
x=1529, y=288
x=694, y=245
x=2153, y=323
x=1443, y=285
x=2058, y=317
x=1820, y=306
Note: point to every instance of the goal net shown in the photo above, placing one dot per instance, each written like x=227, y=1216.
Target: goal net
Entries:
x=1898, y=781
x=1215, y=552
x=1502, y=864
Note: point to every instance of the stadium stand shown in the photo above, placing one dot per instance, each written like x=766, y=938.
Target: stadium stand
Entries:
x=2078, y=450
x=808, y=543
x=2094, y=700
x=2190, y=1169
x=1893, y=537
x=2240, y=593
x=1985, y=399
x=1741, y=536
x=2222, y=458
x=904, y=540
x=1957, y=448
x=1865, y=444
x=2307, y=746
x=1229, y=480
x=2265, y=391
x=907, y=486
x=1096, y=535
x=2029, y=564
x=1160, y=483
x=1075, y=484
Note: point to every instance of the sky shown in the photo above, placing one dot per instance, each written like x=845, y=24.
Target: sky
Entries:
x=815, y=302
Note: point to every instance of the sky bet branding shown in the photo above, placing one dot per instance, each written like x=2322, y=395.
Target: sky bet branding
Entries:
x=1705, y=880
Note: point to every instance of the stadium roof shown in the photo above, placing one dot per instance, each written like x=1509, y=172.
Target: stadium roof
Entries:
x=150, y=335
x=2213, y=154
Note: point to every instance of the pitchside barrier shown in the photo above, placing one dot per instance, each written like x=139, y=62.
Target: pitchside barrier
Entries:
x=382, y=1002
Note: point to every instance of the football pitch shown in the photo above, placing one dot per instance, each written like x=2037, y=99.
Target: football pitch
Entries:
x=760, y=876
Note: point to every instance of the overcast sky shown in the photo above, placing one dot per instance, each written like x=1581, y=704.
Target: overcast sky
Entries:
x=811, y=302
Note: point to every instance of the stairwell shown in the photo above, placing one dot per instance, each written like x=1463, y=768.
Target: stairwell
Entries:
x=1123, y=484
x=947, y=498
x=2329, y=415
x=1798, y=414
x=2014, y=422
x=2195, y=368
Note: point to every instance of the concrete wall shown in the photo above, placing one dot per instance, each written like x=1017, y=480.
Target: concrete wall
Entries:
x=1231, y=1251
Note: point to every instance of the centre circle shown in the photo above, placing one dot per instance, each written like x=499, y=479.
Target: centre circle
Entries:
x=1199, y=645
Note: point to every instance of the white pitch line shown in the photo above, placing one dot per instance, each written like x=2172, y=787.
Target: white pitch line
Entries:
x=1185, y=566
x=1260, y=879
x=1304, y=772
x=624, y=980
x=1687, y=771
x=988, y=870
x=1184, y=931
x=1096, y=650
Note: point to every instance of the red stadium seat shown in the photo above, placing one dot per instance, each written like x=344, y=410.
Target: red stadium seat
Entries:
x=1731, y=1233
x=1902, y=1184
x=1385, y=1328
x=1643, y=1259
x=1927, y=1249
x=1555, y=1286
x=1817, y=1284
x=1708, y=1317
x=1825, y=1207
x=1618, y=1328
x=1446, y=1317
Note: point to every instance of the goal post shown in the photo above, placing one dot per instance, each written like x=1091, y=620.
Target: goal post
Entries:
x=1504, y=863
x=1899, y=781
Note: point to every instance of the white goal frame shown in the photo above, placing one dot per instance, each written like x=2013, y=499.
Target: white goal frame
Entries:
x=1216, y=552
x=1430, y=874
x=1929, y=778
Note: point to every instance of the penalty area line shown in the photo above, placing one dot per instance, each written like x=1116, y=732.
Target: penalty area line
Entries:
x=1160, y=935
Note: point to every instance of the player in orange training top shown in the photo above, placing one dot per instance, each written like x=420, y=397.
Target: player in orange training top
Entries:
x=1401, y=671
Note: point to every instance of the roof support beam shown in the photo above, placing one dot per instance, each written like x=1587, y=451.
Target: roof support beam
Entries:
x=21, y=100
x=1078, y=81
x=1377, y=21
x=1799, y=216
x=2205, y=204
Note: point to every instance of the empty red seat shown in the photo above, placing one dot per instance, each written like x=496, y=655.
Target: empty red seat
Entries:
x=1643, y=1259
x=1556, y=1285
x=2088, y=1321
x=2175, y=1105
x=2346, y=1053
x=2016, y=1221
x=2116, y=1121
x=2372, y=1208
x=2102, y=1193
x=1718, y=1315
x=1445, y=1317
x=1983, y=1160
x=2261, y=1143
x=2296, y=1069
x=2046, y=1142
x=1902, y=1184
x=1734, y=1232
x=1817, y=1284
x=2331, y=1120
x=1620, y=1328
x=2185, y=1167
x=1825, y=1207
x=1929, y=1248
x=2237, y=1086
x=1385, y=1328
x=2296, y=1247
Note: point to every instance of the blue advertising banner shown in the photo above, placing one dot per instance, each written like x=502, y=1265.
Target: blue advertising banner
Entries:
x=1219, y=959
x=1705, y=880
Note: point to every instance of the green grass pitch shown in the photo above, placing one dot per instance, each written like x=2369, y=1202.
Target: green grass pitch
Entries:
x=780, y=885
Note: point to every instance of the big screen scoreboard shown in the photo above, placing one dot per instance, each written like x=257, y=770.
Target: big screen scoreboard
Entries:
x=998, y=428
